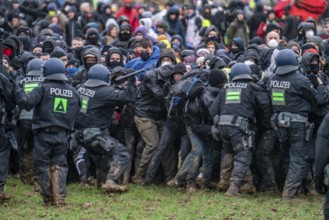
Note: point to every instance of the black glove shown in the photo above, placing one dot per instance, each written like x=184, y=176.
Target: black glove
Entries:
x=314, y=79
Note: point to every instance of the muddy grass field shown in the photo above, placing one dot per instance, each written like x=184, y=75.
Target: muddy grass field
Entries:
x=155, y=202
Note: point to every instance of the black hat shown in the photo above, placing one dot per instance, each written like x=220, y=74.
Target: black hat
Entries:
x=179, y=68
x=167, y=53
x=72, y=8
x=74, y=62
x=58, y=54
x=217, y=78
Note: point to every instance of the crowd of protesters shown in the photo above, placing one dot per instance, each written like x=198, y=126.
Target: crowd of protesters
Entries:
x=235, y=52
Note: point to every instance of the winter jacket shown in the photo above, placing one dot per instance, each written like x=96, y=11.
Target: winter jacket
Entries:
x=138, y=63
x=237, y=29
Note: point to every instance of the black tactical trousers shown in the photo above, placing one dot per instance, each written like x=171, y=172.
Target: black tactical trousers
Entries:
x=4, y=157
x=166, y=153
x=298, y=153
x=264, y=162
x=50, y=165
x=326, y=207
x=234, y=142
x=109, y=165
x=26, y=151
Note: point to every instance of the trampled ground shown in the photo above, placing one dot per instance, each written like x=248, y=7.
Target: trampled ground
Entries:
x=155, y=202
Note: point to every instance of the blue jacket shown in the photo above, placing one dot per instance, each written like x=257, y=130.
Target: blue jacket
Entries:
x=149, y=64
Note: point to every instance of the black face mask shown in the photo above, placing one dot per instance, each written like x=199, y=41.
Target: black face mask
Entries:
x=145, y=55
x=125, y=36
x=89, y=65
x=114, y=64
x=213, y=38
x=314, y=80
x=93, y=40
x=314, y=68
x=235, y=50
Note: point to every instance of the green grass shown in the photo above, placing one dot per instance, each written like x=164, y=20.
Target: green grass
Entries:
x=155, y=202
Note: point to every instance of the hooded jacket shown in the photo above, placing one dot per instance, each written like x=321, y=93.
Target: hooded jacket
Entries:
x=119, y=42
x=107, y=38
x=132, y=15
x=81, y=76
x=13, y=43
x=138, y=63
x=112, y=51
x=142, y=30
x=222, y=53
x=176, y=25
x=150, y=100
x=239, y=42
x=48, y=46
x=252, y=52
x=306, y=61
x=237, y=29
x=166, y=54
x=148, y=26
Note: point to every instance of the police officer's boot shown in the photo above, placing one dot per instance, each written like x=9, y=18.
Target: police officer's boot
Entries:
x=111, y=187
x=58, y=199
x=289, y=194
x=3, y=196
x=26, y=169
x=225, y=172
x=233, y=190
x=100, y=178
x=308, y=185
x=247, y=186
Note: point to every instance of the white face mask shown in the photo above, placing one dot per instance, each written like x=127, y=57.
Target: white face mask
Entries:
x=164, y=63
x=249, y=62
x=309, y=34
x=273, y=43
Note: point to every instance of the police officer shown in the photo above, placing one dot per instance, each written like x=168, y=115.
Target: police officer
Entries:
x=240, y=102
x=56, y=104
x=321, y=168
x=7, y=104
x=98, y=103
x=32, y=80
x=293, y=98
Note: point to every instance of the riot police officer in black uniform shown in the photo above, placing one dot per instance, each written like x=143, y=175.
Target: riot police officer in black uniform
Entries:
x=32, y=80
x=98, y=103
x=240, y=102
x=321, y=168
x=56, y=105
x=7, y=104
x=293, y=97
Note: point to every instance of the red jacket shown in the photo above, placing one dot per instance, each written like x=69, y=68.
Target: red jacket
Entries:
x=132, y=16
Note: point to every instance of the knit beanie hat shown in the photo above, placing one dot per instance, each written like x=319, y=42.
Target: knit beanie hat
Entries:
x=179, y=68
x=217, y=78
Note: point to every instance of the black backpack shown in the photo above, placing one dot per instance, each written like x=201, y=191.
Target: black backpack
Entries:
x=182, y=92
